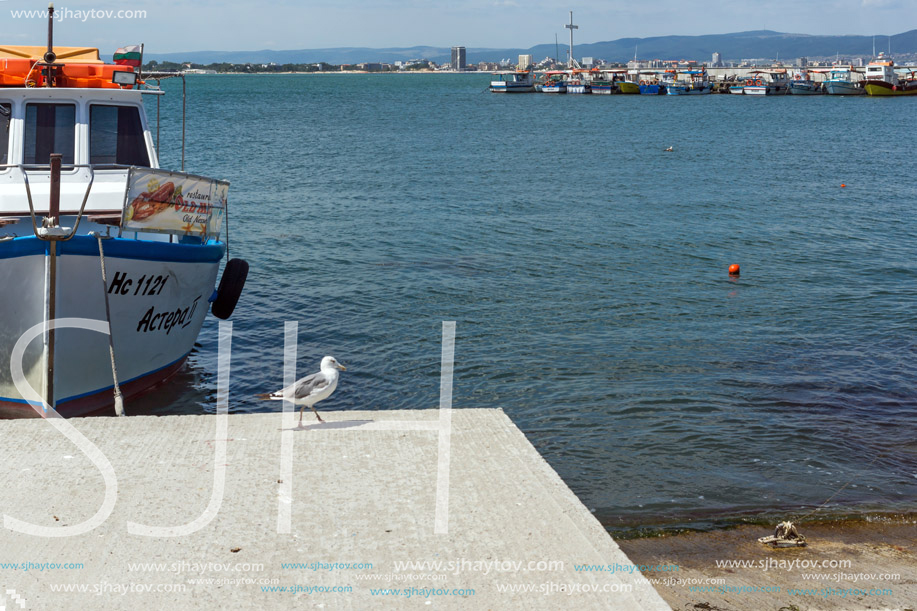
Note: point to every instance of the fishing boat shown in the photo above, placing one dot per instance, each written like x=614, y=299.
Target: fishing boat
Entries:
x=577, y=82
x=110, y=262
x=650, y=84
x=766, y=82
x=520, y=81
x=803, y=85
x=628, y=86
x=840, y=82
x=554, y=82
x=882, y=79
x=602, y=86
x=692, y=82
x=755, y=86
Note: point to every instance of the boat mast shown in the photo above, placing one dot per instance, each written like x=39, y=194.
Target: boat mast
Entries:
x=571, y=27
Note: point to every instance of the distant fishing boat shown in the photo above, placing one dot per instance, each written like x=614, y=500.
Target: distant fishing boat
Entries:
x=577, y=82
x=766, y=82
x=883, y=80
x=554, y=82
x=650, y=85
x=629, y=87
x=602, y=87
x=520, y=81
x=840, y=82
x=803, y=85
x=694, y=82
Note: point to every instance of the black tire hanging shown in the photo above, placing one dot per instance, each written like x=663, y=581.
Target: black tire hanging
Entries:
x=230, y=288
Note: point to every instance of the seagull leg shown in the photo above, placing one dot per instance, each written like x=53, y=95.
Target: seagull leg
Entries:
x=301, y=409
x=316, y=413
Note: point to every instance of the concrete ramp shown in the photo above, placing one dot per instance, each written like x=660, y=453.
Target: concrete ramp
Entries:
x=448, y=509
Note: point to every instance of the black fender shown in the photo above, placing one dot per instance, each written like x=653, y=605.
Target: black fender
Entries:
x=230, y=288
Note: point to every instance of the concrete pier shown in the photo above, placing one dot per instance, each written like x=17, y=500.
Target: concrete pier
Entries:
x=371, y=510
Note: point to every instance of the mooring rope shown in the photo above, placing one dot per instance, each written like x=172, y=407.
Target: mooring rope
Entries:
x=119, y=399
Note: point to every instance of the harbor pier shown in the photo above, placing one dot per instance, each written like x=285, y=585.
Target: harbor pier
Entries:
x=369, y=510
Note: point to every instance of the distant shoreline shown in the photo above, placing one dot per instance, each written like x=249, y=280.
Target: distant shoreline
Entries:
x=357, y=72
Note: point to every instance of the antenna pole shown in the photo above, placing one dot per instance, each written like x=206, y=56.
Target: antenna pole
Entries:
x=50, y=28
x=49, y=54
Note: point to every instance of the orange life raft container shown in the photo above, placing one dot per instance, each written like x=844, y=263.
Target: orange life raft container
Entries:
x=78, y=67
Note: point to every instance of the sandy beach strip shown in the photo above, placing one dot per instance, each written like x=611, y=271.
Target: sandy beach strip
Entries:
x=846, y=565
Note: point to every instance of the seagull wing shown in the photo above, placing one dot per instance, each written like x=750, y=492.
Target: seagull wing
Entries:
x=303, y=388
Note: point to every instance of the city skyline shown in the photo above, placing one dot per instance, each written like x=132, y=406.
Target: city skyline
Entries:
x=169, y=26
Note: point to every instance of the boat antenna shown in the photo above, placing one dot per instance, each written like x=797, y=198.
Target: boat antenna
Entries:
x=49, y=54
x=556, y=48
x=873, y=46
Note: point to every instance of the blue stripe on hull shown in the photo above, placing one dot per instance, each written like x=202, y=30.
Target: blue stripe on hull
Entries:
x=120, y=248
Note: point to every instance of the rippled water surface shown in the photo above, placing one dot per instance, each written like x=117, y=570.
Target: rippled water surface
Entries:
x=586, y=270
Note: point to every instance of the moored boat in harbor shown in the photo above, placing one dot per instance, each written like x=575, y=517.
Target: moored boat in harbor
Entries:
x=882, y=79
x=577, y=82
x=803, y=85
x=554, y=82
x=766, y=82
x=692, y=82
x=628, y=86
x=82, y=194
x=520, y=81
x=840, y=82
x=650, y=84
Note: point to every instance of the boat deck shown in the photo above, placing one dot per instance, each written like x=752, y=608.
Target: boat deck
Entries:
x=373, y=488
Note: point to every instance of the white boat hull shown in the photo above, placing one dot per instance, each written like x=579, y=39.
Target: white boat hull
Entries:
x=843, y=88
x=501, y=87
x=581, y=89
x=158, y=295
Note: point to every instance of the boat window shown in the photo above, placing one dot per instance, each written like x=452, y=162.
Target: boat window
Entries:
x=116, y=136
x=5, y=113
x=49, y=128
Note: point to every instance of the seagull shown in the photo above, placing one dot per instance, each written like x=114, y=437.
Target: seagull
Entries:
x=311, y=389
x=668, y=150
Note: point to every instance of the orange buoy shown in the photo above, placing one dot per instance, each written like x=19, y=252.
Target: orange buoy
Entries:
x=843, y=185
x=734, y=269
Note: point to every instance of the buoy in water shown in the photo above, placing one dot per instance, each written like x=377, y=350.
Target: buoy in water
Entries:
x=843, y=185
x=734, y=269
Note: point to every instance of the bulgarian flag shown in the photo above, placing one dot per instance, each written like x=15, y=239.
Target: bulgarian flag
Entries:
x=129, y=56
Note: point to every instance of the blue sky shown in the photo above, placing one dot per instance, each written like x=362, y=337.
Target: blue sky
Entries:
x=170, y=26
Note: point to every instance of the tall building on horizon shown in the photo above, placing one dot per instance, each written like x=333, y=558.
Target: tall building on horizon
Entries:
x=717, y=60
x=458, y=58
x=525, y=61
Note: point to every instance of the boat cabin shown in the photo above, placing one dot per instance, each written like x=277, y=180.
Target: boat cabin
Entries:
x=98, y=126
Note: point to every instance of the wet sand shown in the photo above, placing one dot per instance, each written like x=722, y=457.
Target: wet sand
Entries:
x=861, y=565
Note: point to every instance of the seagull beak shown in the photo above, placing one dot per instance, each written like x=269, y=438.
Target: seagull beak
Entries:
x=341, y=367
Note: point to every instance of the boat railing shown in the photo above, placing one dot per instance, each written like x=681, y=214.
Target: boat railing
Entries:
x=50, y=227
